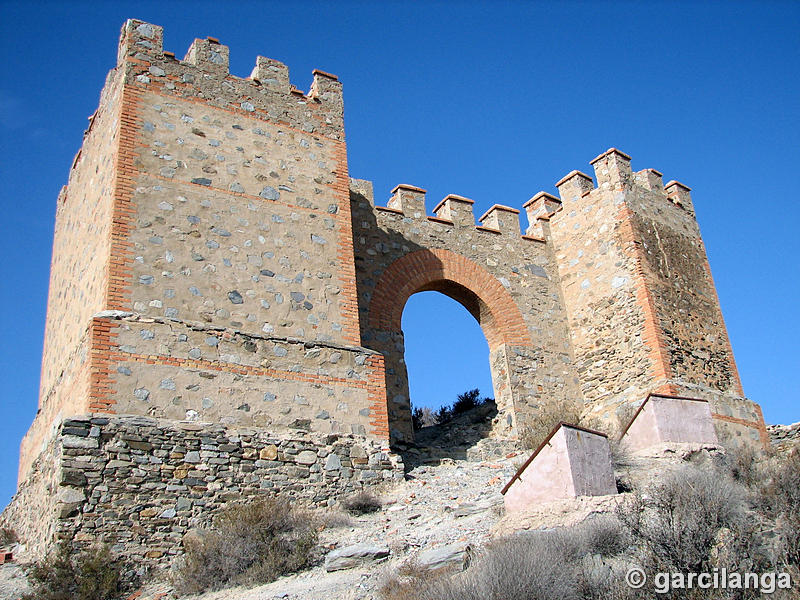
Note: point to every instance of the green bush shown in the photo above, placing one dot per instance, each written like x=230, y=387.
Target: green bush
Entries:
x=93, y=574
x=467, y=401
x=248, y=544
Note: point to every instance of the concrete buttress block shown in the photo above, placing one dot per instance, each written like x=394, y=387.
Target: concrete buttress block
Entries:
x=670, y=419
x=571, y=462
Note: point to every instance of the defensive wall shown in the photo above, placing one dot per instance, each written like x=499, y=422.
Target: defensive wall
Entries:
x=216, y=270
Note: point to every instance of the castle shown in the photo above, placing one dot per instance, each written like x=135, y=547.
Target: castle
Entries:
x=225, y=303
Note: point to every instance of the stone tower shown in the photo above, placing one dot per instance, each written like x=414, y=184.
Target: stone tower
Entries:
x=225, y=302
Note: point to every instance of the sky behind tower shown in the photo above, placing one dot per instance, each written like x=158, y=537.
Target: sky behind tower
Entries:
x=493, y=101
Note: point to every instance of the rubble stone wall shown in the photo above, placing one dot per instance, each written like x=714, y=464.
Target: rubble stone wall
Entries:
x=141, y=484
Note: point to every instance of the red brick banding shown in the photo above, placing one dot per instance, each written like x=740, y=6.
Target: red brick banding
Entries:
x=101, y=379
x=120, y=265
x=455, y=276
x=348, y=299
x=759, y=426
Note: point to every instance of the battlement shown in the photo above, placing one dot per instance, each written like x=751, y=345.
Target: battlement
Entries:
x=205, y=75
x=409, y=201
x=612, y=171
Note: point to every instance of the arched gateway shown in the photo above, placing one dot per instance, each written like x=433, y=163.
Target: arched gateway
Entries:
x=464, y=281
x=506, y=281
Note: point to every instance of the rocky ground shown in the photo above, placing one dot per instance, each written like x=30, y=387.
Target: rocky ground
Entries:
x=12, y=582
x=446, y=509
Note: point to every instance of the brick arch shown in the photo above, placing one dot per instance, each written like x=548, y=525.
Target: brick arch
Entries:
x=457, y=277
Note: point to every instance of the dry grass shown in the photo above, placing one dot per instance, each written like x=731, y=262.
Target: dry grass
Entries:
x=249, y=544
x=695, y=519
x=521, y=567
x=362, y=503
x=93, y=574
x=541, y=423
x=332, y=519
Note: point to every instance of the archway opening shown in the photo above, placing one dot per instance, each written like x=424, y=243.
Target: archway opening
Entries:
x=447, y=359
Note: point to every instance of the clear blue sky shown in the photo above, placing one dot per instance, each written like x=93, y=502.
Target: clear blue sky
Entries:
x=491, y=101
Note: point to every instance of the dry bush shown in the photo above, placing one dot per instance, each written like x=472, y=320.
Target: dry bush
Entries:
x=539, y=424
x=695, y=519
x=746, y=465
x=521, y=567
x=422, y=416
x=93, y=574
x=362, y=503
x=780, y=501
x=249, y=544
x=677, y=521
x=7, y=536
x=332, y=519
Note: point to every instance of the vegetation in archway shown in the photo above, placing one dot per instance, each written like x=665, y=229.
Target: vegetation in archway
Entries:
x=466, y=401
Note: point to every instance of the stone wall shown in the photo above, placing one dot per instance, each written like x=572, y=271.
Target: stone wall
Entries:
x=784, y=438
x=140, y=483
x=507, y=281
x=643, y=311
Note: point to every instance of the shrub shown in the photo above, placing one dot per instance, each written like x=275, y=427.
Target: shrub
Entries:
x=332, y=519
x=467, y=401
x=746, y=465
x=443, y=415
x=7, y=536
x=521, y=567
x=249, y=544
x=780, y=496
x=678, y=520
x=539, y=424
x=92, y=574
x=422, y=417
x=362, y=503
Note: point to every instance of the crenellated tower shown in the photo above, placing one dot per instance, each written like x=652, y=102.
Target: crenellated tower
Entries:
x=225, y=306
x=203, y=252
x=643, y=311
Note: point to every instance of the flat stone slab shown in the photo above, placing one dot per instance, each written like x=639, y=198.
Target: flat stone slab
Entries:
x=451, y=554
x=354, y=556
